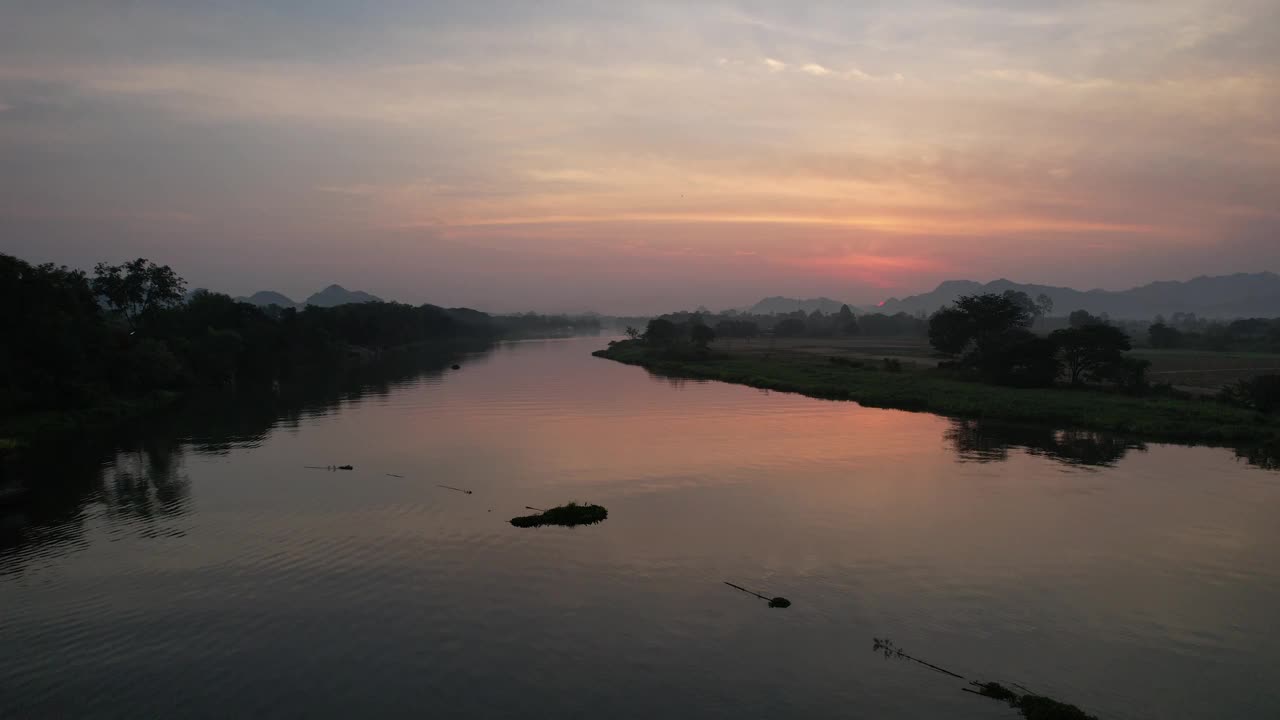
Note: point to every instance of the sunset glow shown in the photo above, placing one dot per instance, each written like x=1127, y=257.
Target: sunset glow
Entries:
x=847, y=149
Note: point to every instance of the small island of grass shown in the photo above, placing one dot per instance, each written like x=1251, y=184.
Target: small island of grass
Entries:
x=565, y=516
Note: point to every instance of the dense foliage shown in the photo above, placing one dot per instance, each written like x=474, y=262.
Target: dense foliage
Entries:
x=990, y=334
x=1260, y=393
x=1186, y=331
x=817, y=324
x=73, y=341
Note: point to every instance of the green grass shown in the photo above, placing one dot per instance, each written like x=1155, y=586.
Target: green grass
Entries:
x=1153, y=418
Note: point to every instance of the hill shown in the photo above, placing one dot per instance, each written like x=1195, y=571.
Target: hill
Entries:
x=782, y=305
x=264, y=298
x=1223, y=296
x=335, y=295
x=332, y=296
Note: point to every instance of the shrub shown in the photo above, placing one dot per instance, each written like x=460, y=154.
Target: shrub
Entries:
x=1262, y=393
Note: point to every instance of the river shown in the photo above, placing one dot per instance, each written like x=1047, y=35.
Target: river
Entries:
x=198, y=568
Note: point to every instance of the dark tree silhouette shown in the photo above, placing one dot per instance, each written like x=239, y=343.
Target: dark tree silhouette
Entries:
x=701, y=336
x=1091, y=352
x=1080, y=318
x=791, y=327
x=138, y=288
x=661, y=332
x=989, y=334
x=950, y=331
x=847, y=323
x=1162, y=336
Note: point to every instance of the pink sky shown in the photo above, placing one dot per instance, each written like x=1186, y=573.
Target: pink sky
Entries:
x=644, y=157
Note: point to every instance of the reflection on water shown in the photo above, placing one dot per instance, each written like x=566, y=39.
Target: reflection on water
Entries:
x=135, y=477
x=198, y=555
x=987, y=441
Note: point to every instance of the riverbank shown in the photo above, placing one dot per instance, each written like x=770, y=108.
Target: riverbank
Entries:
x=925, y=389
x=18, y=431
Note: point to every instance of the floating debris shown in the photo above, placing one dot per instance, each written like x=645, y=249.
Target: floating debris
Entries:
x=1036, y=707
x=457, y=367
x=329, y=467
x=450, y=487
x=1029, y=705
x=565, y=516
x=887, y=647
x=394, y=475
x=774, y=602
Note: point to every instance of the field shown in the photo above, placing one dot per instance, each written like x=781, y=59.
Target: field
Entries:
x=1207, y=370
x=802, y=366
x=1196, y=371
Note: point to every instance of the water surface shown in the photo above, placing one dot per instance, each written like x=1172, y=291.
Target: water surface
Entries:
x=198, y=569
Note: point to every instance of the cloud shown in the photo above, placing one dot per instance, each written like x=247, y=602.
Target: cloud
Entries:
x=987, y=133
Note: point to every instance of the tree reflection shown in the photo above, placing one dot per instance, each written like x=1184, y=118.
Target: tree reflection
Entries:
x=985, y=441
x=135, y=477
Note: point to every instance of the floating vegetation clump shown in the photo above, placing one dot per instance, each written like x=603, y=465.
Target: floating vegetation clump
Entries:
x=564, y=516
x=1030, y=705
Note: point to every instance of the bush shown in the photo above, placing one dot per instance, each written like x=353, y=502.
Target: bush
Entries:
x=1021, y=359
x=1261, y=393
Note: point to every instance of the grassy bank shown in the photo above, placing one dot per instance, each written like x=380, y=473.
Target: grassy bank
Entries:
x=1153, y=418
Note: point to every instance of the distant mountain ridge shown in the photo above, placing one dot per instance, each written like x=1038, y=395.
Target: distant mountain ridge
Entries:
x=332, y=296
x=778, y=305
x=263, y=298
x=1221, y=296
x=336, y=295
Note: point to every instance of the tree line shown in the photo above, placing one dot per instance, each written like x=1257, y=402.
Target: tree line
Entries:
x=989, y=335
x=76, y=340
x=735, y=324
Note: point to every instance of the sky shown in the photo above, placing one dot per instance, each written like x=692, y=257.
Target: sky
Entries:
x=643, y=156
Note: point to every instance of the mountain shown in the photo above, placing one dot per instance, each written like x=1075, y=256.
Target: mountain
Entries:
x=264, y=298
x=1222, y=296
x=783, y=305
x=335, y=295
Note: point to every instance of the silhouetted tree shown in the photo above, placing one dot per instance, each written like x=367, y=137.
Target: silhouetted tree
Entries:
x=1080, y=318
x=737, y=328
x=137, y=288
x=847, y=323
x=1020, y=357
x=950, y=331
x=1163, y=336
x=791, y=327
x=990, y=334
x=1044, y=304
x=701, y=336
x=661, y=332
x=1262, y=393
x=1090, y=352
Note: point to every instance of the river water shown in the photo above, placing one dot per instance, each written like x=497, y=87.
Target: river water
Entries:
x=198, y=568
